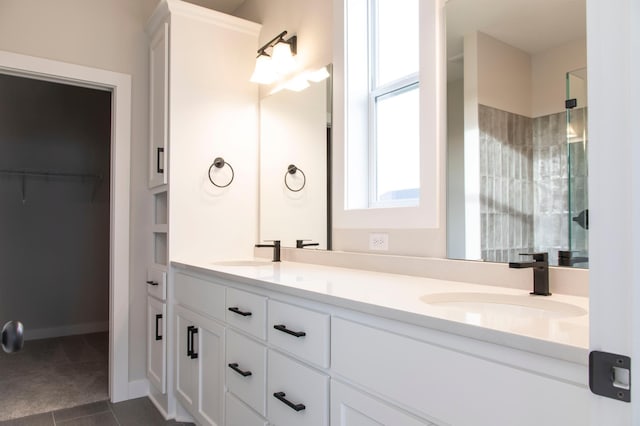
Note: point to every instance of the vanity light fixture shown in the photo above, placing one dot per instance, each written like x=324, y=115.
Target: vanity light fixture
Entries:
x=301, y=81
x=281, y=62
x=318, y=75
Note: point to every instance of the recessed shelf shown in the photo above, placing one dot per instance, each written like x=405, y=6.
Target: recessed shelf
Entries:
x=160, y=208
x=160, y=248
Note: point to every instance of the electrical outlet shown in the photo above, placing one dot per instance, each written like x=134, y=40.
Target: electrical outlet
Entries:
x=379, y=241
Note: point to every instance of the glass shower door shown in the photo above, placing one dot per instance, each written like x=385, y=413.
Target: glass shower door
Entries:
x=577, y=170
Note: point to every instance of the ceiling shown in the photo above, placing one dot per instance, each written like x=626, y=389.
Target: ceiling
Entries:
x=530, y=25
x=225, y=6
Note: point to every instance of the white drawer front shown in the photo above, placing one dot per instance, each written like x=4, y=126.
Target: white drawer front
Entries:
x=300, y=331
x=307, y=390
x=239, y=414
x=247, y=311
x=157, y=282
x=201, y=295
x=437, y=381
x=246, y=356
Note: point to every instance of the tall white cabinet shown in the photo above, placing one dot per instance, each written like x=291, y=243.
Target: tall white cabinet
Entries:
x=201, y=106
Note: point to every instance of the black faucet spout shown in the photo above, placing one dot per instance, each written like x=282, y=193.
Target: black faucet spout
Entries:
x=302, y=244
x=540, y=267
x=276, y=249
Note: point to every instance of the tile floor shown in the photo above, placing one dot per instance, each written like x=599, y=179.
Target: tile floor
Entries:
x=135, y=412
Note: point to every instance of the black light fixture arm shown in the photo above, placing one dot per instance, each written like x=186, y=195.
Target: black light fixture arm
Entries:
x=292, y=41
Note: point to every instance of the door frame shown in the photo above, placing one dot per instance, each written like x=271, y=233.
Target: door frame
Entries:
x=120, y=87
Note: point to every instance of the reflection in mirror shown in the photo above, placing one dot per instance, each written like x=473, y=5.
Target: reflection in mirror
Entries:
x=295, y=142
x=517, y=142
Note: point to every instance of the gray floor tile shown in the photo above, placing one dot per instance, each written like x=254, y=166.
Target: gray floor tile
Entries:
x=45, y=419
x=81, y=411
x=138, y=412
x=101, y=419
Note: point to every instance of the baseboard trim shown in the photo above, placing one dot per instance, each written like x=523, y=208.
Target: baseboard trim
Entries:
x=159, y=406
x=138, y=388
x=66, y=330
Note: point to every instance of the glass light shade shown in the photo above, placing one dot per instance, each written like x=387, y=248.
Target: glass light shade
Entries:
x=264, y=72
x=283, y=62
x=318, y=75
x=297, y=84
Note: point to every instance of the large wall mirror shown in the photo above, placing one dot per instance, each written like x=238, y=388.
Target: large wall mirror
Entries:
x=517, y=130
x=295, y=152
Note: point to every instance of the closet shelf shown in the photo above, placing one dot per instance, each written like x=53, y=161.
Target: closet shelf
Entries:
x=96, y=179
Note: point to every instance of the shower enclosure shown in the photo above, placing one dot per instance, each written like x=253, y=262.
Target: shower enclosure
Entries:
x=577, y=171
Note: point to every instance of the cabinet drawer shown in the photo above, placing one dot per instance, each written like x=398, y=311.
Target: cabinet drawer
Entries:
x=436, y=381
x=246, y=368
x=297, y=395
x=247, y=311
x=239, y=414
x=203, y=296
x=300, y=331
x=157, y=282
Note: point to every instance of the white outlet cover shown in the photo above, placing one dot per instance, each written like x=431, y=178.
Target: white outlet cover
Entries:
x=379, y=241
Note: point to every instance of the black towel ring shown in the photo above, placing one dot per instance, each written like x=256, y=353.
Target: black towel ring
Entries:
x=292, y=170
x=219, y=163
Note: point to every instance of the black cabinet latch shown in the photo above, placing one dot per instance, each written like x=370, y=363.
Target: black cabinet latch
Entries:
x=610, y=375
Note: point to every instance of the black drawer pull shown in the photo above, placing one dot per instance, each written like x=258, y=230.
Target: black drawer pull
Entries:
x=158, y=318
x=152, y=282
x=194, y=354
x=158, y=168
x=283, y=328
x=281, y=397
x=189, y=341
x=237, y=310
x=234, y=367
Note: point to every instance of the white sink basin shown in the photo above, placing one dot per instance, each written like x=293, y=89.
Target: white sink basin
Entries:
x=504, y=304
x=243, y=263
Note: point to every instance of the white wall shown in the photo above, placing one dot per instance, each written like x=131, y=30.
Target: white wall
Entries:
x=54, y=250
x=213, y=113
x=549, y=68
x=504, y=76
x=107, y=35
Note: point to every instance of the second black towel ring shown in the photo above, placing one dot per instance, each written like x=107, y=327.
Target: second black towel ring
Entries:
x=219, y=163
x=292, y=170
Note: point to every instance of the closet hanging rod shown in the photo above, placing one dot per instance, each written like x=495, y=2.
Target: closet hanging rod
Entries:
x=49, y=174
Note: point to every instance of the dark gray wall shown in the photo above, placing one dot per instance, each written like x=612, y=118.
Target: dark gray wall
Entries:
x=54, y=246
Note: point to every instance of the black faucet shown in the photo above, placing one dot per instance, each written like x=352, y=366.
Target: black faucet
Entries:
x=540, y=265
x=302, y=244
x=276, y=249
x=567, y=258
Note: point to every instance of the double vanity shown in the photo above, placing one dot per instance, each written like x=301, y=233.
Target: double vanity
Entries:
x=285, y=343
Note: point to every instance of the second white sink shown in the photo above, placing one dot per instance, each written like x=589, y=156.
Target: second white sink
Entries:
x=504, y=304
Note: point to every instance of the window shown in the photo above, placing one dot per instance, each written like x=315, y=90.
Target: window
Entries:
x=383, y=103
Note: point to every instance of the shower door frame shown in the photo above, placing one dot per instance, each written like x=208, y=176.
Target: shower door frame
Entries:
x=119, y=85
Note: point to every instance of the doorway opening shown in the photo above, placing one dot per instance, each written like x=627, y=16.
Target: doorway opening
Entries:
x=117, y=87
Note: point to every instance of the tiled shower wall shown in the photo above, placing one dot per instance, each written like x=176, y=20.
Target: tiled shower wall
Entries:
x=524, y=184
x=506, y=184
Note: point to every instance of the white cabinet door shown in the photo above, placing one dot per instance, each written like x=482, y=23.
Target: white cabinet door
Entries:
x=209, y=351
x=350, y=407
x=199, y=366
x=186, y=366
x=157, y=344
x=158, y=97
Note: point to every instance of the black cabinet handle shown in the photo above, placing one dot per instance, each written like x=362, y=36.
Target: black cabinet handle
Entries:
x=234, y=367
x=281, y=397
x=194, y=331
x=283, y=328
x=237, y=310
x=158, y=168
x=158, y=318
x=152, y=283
x=189, y=340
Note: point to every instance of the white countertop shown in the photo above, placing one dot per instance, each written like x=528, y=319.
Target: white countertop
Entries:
x=399, y=297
